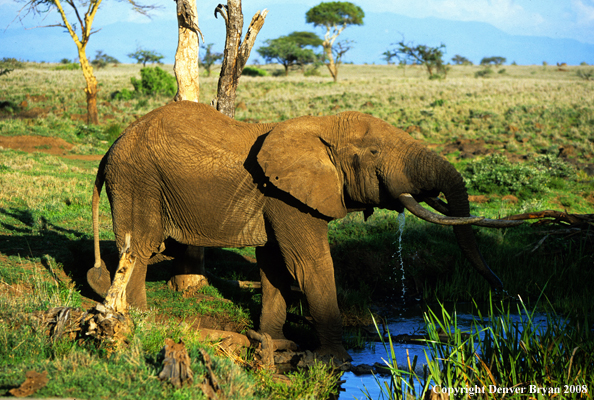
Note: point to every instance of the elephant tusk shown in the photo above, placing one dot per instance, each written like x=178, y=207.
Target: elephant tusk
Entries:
x=414, y=207
x=442, y=207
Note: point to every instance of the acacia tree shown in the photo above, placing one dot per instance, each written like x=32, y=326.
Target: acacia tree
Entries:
x=209, y=58
x=430, y=57
x=82, y=13
x=496, y=61
x=335, y=17
x=459, y=60
x=291, y=50
x=142, y=56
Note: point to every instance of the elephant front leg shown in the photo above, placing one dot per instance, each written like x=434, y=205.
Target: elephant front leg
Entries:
x=317, y=282
x=276, y=285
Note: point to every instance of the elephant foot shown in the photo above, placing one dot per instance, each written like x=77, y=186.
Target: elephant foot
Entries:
x=338, y=352
x=99, y=279
x=183, y=282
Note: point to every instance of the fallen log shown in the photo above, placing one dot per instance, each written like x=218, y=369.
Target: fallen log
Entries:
x=176, y=364
x=557, y=217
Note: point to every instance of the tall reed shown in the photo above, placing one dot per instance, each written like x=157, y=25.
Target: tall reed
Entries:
x=503, y=355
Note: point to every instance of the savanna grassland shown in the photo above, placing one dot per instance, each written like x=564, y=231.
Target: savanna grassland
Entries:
x=523, y=138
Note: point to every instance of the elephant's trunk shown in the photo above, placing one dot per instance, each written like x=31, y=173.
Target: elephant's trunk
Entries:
x=430, y=174
x=456, y=195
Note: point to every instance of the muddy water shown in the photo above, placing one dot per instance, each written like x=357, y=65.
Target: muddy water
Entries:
x=408, y=322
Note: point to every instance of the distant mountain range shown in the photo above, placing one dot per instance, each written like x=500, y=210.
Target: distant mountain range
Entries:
x=473, y=40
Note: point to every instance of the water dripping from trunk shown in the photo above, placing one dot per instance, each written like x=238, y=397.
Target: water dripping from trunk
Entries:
x=401, y=223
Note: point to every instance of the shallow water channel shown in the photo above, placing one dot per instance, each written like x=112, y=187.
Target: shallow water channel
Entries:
x=410, y=322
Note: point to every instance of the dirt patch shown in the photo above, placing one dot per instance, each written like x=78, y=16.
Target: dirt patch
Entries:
x=32, y=144
x=510, y=198
x=468, y=148
x=43, y=144
x=480, y=199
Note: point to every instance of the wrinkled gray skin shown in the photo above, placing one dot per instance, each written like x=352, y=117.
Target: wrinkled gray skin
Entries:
x=187, y=172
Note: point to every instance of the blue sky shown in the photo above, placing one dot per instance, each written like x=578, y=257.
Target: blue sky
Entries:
x=386, y=22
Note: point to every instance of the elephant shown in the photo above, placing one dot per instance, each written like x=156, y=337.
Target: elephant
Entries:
x=187, y=173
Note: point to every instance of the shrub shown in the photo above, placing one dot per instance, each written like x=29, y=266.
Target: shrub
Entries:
x=254, y=71
x=312, y=71
x=67, y=67
x=94, y=133
x=554, y=166
x=123, y=94
x=12, y=63
x=154, y=80
x=484, y=73
x=585, y=75
x=9, y=64
x=496, y=174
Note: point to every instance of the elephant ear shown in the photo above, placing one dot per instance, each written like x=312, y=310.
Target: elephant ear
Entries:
x=297, y=161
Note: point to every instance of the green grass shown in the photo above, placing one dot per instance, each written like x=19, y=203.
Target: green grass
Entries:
x=46, y=230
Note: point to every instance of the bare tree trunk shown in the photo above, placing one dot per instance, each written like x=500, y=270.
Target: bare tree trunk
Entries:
x=331, y=65
x=91, y=89
x=189, y=271
x=186, y=58
x=236, y=53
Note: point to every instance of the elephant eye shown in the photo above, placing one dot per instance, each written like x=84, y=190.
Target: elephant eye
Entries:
x=374, y=151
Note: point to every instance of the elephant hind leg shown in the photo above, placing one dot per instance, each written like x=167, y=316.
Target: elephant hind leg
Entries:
x=135, y=252
x=116, y=295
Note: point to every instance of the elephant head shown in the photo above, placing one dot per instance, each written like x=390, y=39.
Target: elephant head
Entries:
x=354, y=161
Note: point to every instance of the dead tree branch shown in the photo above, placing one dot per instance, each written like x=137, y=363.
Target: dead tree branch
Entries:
x=236, y=53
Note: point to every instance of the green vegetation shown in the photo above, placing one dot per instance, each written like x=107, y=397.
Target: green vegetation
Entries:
x=254, y=71
x=9, y=64
x=67, y=67
x=496, y=174
x=528, y=125
x=586, y=75
x=153, y=81
x=498, y=352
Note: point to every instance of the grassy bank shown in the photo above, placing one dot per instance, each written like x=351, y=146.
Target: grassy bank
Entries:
x=46, y=234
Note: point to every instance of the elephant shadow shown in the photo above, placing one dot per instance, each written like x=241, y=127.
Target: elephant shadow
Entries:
x=35, y=237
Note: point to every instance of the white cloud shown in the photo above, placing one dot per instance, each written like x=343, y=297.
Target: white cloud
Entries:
x=507, y=15
x=584, y=12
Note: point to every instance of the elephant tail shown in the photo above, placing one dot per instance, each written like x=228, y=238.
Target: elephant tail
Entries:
x=99, y=180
